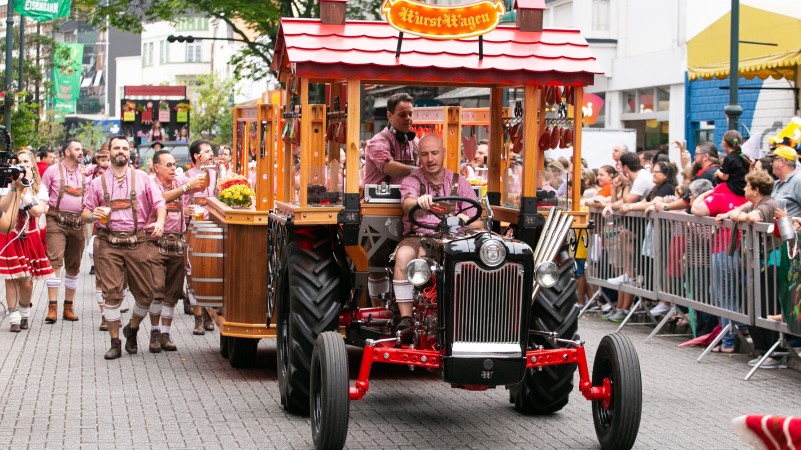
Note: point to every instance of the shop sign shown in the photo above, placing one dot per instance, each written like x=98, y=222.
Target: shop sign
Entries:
x=443, y=22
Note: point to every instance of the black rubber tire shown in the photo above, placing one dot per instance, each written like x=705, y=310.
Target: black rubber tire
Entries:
x=224, y=346
x=330, y=401
x=242, y=352
x=308, y=304
x=556, y=309
x=617, y=359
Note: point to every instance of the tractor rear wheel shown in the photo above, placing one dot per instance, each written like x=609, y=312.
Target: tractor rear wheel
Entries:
x=555, y=309
x=308, y=301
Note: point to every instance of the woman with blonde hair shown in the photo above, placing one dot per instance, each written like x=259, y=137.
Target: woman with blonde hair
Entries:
x=22, y=247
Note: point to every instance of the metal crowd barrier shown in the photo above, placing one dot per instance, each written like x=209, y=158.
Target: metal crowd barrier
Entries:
x=686, y=260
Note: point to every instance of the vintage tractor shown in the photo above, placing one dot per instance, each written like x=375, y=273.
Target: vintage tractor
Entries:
x=489, y=311
x=494, y=308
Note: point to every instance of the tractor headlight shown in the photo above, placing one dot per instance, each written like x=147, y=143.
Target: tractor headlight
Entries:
x=492, y=252
x=547, y=274
x=418, y=272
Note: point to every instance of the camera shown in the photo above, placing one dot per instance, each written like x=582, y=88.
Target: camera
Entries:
x=8, y=172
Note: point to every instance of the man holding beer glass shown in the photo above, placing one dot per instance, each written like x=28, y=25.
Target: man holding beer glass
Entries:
x=168, y=266
x=127, y=208
x=202, y=161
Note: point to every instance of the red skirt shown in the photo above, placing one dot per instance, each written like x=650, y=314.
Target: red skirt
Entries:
x=26, y=255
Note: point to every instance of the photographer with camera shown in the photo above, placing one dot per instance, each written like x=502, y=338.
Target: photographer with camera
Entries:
x=22, y=246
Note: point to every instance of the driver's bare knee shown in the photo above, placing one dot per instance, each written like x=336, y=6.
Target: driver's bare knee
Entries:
x=403, y=255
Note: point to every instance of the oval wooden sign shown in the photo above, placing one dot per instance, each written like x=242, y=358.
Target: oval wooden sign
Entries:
x=443, y=22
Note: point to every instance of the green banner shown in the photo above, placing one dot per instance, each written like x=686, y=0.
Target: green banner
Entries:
x=42, y=10
x=790, y=288
x=68, y=64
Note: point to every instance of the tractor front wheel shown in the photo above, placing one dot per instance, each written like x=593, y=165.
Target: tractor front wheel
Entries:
x=330, y=403
x=617, y=423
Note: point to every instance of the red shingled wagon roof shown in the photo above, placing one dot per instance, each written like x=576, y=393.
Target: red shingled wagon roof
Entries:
x=366, y=50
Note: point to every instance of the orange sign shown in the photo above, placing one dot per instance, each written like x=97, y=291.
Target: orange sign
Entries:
x=443, y=22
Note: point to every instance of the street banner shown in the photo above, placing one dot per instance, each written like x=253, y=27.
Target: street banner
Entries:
x=42, y=10
x=67, y=70
x=790, y=285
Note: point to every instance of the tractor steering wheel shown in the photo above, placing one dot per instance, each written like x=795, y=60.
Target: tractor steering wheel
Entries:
x=472, y=202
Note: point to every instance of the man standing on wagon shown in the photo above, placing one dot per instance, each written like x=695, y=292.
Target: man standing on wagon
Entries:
x=65, y=183
x=123, y=201
x=390, y=156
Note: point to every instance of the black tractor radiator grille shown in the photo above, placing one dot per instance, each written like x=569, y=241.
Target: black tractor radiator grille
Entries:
x=487, y=306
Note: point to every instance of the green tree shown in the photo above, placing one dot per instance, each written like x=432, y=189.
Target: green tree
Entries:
x=90, y=134
x=211, y=113
x=51, y=134
x=255, y=23
x=23, y=124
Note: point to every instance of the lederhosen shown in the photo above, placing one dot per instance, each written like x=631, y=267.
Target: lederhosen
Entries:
x=64, y=234
x=173, y=243
x=67, y=219
x=168, y=265
x=117, y=238
x=413, y=239
x=128, y=262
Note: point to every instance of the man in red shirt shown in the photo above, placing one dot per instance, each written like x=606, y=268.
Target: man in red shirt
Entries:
x=46, y=159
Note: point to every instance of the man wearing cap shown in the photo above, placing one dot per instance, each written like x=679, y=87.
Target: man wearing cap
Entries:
x=65, y=183
x=788, y=185
x=127, y=208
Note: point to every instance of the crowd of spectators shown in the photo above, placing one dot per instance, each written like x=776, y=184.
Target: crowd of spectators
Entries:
x=724, y=185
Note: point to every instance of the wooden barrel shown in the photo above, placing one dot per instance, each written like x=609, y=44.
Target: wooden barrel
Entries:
x=205, y=254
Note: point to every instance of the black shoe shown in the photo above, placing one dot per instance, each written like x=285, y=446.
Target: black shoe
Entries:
x=405, y=323
x=92, y=270
x=114, y=352
x=130, y=339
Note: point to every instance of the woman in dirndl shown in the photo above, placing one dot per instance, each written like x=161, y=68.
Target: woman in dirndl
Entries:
x=23, y=254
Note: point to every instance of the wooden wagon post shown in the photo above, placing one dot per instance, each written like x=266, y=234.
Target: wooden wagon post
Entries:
x=266, y=156
x=529, y=220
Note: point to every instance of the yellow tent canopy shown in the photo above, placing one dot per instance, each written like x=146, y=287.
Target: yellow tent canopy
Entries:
x=708, y=52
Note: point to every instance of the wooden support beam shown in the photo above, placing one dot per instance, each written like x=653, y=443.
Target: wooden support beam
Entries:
x=265, y=159
x=305, y=142
x=496, y=151
x=354, y=128
x=533, y=122
x=452, y=137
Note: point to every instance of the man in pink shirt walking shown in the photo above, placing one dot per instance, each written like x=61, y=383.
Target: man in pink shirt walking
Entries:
x=66, y=184
x=169, y=268
x=123, y=202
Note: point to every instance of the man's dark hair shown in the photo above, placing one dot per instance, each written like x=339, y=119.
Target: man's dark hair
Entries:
x=400, y=97
x=194, y=148
x=630, y=160
x=708, y=148
x=43, y=152
x=157, y=156
x=483, y=142
x=117, y=136
x=67, y=144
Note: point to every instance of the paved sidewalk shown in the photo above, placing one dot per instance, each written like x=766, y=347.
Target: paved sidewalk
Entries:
x=58, y=392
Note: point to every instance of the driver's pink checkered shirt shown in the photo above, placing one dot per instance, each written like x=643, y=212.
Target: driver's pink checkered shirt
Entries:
x=410, y=188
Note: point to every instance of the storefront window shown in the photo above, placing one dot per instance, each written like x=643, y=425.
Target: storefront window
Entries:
x=646, y=101
x=630, y=102
x=663, y=98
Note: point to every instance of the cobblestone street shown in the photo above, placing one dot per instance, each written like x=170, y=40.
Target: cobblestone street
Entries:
x=59, y=392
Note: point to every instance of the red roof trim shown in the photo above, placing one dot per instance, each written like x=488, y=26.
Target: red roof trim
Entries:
x=367, y=50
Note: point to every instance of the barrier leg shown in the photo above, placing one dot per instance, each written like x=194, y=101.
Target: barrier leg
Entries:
x=764, y=357
x=717, y=340
x=674, y=310
x=633, y=311
x=592, y=301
